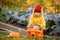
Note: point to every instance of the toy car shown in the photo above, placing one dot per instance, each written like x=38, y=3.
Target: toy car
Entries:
x=35, y=31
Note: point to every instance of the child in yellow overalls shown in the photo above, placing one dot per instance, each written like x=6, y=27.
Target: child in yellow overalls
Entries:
x=36, y=18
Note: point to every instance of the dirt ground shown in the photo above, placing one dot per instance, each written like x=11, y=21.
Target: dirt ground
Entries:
x=18, y=25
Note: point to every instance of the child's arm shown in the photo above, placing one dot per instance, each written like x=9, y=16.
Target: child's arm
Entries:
x=43, y=23
x=30, y=22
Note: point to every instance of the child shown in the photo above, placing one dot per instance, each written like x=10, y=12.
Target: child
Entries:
x=37, y=17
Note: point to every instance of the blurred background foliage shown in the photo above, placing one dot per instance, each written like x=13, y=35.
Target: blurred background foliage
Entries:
x=49, y=5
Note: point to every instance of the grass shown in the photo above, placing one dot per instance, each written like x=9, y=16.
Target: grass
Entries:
x=3, y=36
x=24, y=38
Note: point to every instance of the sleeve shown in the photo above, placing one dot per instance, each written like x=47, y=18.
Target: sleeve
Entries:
x=43, y=23
x=30, y=22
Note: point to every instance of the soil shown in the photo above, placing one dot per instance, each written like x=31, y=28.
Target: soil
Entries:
x=18, y=25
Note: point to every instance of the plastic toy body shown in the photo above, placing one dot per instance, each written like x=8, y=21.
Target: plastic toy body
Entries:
x=35, y=32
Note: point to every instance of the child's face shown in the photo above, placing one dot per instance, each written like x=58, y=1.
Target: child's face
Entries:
x=37, y=14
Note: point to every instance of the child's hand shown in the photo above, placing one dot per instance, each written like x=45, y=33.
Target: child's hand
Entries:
x=36, y=27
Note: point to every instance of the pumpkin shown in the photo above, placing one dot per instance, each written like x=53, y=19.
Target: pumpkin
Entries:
x=14, y=34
